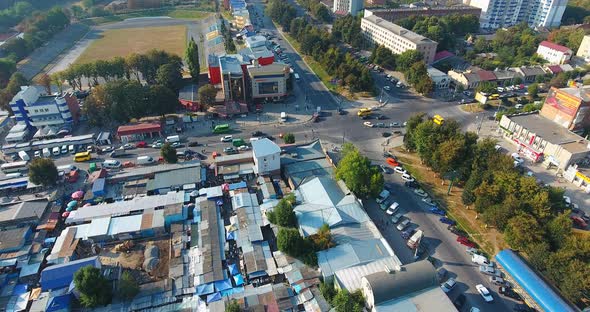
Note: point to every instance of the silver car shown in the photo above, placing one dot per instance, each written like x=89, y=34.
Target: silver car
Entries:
x=403, y=225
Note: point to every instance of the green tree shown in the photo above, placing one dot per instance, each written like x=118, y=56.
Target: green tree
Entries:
x=283, y=214
x=233, y=306
x=207, y=94
x=7, y=68
x=161, y=100
x=522, y=231
x=533, y=90
x=558, y=230
x=322, y=240
x=128, y=286
x=358, y=174
x=191, y=57
x=411, y=125
x=328, y=291
x=346, y=302
x=42, y=171
x=169, y=76
x=406, y=59
x=95, y=289
x=290, y=241
x=169, y=153
x=289, y=138
x=486, y=87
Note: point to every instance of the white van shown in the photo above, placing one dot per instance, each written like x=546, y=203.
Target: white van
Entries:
x=479, y=259
x=283, y=117
x=111, y=164
x=56, y=151
x=145, y=160
x=71, y=149
x=46, y=152
x=24, y=156
x=67, y=168
x=173, y=139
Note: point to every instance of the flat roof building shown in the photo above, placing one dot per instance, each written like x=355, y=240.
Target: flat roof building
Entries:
x=139, y=131
x=396, y=38
x=568, y=107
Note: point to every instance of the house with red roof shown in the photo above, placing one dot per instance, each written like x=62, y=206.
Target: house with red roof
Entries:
x=554, y=53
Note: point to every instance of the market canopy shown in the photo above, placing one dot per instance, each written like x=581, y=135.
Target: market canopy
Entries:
x=77, y=195
x=231, y=236
x=223, y=284
x=239, y=280
x=73, y=203
x=233, y=269
x=205, y=289
x=214, y=297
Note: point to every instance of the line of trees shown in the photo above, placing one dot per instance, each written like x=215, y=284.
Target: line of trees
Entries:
x=348, y=29
x=443, y=30
x=228, y=41
x=322, y=46
x=342, y=300
x=533, y=217
x=155, y=67
x=10, y=88
x=317, y=9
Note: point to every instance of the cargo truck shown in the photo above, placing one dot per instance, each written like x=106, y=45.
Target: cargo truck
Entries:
x=414, y=241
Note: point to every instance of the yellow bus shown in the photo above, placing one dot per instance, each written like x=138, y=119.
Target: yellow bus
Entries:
x=438, y=119
x=83, y=156
x=364, y=112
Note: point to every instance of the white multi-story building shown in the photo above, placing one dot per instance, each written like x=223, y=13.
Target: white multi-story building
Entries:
x=584, y=49
x=343, y=7
x=33, y=108
x=503, y=13
x=554, y=53
x=396, y=38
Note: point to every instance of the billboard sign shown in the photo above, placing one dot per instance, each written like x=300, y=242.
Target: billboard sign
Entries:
x=563, y=102
x=481, y=98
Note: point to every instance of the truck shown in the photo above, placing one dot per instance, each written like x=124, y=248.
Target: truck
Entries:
x=24, y=156
x=173, y=139
x=120, y=152
x=415, y=239
x=145, y=160
x=283, y=117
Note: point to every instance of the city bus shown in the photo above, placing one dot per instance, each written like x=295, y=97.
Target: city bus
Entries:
x=363, y=112
x=438, y=119
x=221, y=128
x=17, y=166
x=83, y=156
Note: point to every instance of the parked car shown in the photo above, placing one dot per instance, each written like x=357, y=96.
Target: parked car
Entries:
x=230, y=150
x=385, y=169
x=420, y=193
x=403, y=225
x=438, y=211
x=456, y=231
x=484, y=292
x=484, y=269
x=244, y=148
x=448, y=285
x=257, y=133
x=157, y=145
x=448, y=221
x=517, y=158
x=400, y=170
x=381, y=117
x=465, y=241
x=472, y=251
x=498, y=281
x=412, y=184
x=509, y=292
x=395, y=219
x=128, y=146
x=368, y=124
x=141, y=144
x=392, y=209
x=407, y=177
x=408, y=233
x=193, y=143
x=429, y=201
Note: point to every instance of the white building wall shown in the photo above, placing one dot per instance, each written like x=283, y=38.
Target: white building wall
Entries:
x=553, y=56
x=267, y=164
x=504, y=13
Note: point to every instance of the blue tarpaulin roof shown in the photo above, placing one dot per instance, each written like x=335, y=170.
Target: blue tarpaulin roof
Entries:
x=223, y=284
x=237, y=185
x=59, y=303
x=19, y=289
x=239, y=279
x=540, y=291
x=233, y=269
x=98, y=187
x=61, y=275
x=231, y=236
x=214, y=297
x=205, y=289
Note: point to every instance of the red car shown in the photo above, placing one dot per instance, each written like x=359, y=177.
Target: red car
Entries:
x=465, y=241
x=141, y=144
x=579, y=222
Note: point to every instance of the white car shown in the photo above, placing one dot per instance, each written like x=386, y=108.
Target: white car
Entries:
x=420, y=193
x=368, y=124
x=484, y=292
x=448, y=285
x=392, y=209
x=157, y=145
x=403, y=225
x=517, y=158
x=37, y=154
x=400, y=170
x=498, y=147
x=226, y=138
x=567, y=200
x=387, y=88
x=428, y=201
x=244, y=148
x=407, y=177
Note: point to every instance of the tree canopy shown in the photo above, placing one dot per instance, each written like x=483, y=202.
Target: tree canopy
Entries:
x=95, y=289
x=128, y=286
x=207, y=94
x=444, y=29
x=289, y=138
x=283, y=214
x=360, y=176
x=42, y=171
x=292, y=243
x=191, y=57
x=169, y=153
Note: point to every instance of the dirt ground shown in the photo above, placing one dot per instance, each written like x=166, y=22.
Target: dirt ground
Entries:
x=489, y=239
x=122, y=42
x=133, y=260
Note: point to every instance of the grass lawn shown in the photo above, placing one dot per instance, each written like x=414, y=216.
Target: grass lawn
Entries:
x=472, y=108
x=122, y=42
x=174, y=13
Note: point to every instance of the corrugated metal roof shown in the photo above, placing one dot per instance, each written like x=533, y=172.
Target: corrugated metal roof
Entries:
x=98, y=227
x=535, y=286
x=350, y=278
x=351, y=254
x=174, y=178
x=433, y=299
x=125, y=224
x=61, y=275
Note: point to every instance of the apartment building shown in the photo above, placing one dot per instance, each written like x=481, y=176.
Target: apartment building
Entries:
x=504, y=13
x=554, y=53
x=584, y=49
x=392, y=15
x=396, y=38
x=343, y=7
